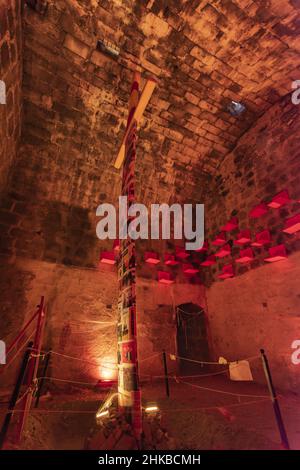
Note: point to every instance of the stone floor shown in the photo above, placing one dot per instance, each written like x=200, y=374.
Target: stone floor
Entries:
x=194, y=418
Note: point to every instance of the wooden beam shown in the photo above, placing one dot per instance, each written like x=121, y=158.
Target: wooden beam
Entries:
x=139, y=111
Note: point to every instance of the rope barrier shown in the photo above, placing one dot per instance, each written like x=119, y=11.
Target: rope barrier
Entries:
x=67, y=381
x=85, y=332
x=177, y=377
x=224, y=393
x=216, y=407
x=214, y=363
x=232, y=364
x=149, y=357
x=174, y=410
x=39, y=410
x=75, y=322
x=18, y=351
x=114, y=364
x=199, y=375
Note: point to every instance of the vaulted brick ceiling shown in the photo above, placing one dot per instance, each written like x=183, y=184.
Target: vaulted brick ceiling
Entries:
x=203, y=53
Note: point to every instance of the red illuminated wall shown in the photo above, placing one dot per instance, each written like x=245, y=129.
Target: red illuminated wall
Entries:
x=260, y=306
x=265, y=161
x=82, y=316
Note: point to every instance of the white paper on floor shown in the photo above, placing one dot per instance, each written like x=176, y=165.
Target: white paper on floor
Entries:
x=240, y=370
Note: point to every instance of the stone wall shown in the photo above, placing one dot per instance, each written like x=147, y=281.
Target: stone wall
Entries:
x=260, y=309
x=81, y=316
x=156, y=316
x=260, y=306
x=75, y=108
x=10, y=74
x=265, y=161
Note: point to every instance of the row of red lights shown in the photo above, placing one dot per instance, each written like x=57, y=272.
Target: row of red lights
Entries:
x=277, y=253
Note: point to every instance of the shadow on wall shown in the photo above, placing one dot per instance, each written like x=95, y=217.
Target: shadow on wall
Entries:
x=68, y=234
x=47, y=230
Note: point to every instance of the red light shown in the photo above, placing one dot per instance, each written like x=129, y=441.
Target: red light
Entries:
x=107, y=257
x=232, y=224
x=204, y=248
x=224, y=251
x=262, y=238
x=245, y=256
x=210, y=260
x=189, y=269
x=220, y=239
x=243, y=237
x=227, y=272
x=151, y=257
x=165, y=278
x=292, y=225
x=258, y=211
x=108, y=370
x=280, y=199
x=181, y=253
x=277, y=253
x=170, y=260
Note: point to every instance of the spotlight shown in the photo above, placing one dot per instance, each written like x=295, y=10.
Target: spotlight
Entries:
x=102, y=414
x=108, y=48
x=151, y=409
x=235, y=108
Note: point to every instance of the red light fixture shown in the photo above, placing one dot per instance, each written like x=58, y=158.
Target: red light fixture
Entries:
x=280, y=199
x=189, y=269
x=292, y=224
x=243, y=237
x=170, y=260
x=224, y=251
x=277, y=253
x=204, y=247
x=107, y=257
x=210, y=260
x=227, y=272
x=262, y=238
x=258, y=211
x=165, y=277
x=220, y=239
x=151, y=257
x=232, y=224
x=245, y=256
x=181, y=252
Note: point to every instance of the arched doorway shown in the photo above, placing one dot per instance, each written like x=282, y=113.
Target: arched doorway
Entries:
x=192, y=339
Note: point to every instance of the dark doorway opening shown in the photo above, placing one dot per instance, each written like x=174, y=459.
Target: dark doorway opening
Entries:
x=192, y=339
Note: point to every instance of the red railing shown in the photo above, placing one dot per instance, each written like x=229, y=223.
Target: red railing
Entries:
x=31, y=366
